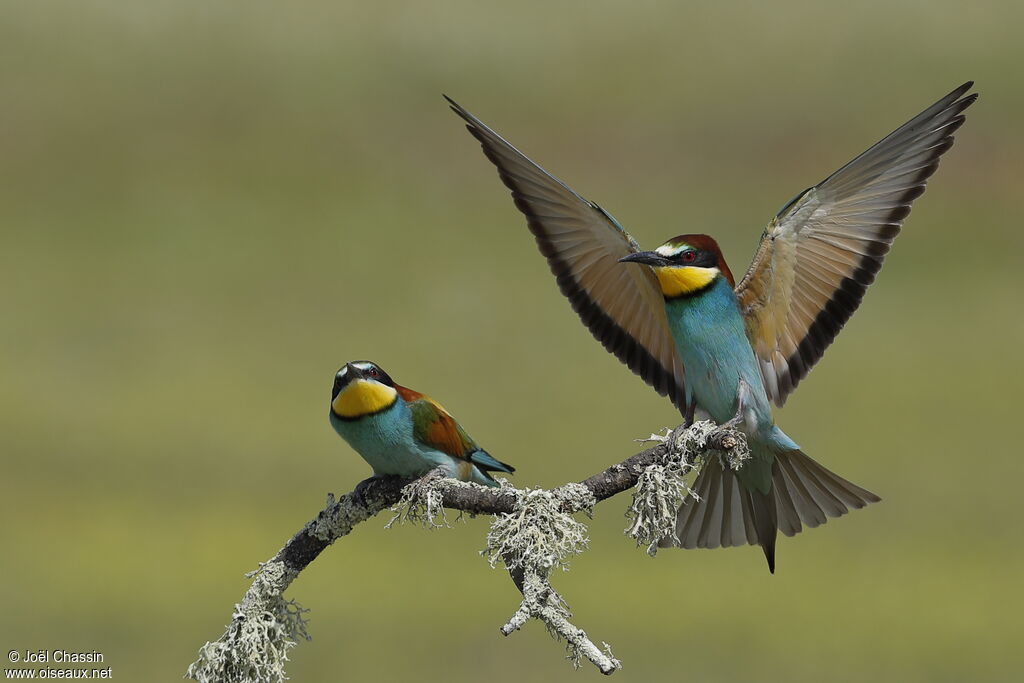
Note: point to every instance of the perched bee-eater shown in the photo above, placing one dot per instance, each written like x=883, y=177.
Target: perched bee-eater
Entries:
x=676, y=318
x=402, y=432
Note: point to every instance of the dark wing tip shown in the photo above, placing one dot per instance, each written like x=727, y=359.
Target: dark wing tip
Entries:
x=605, y=329
x=957, y=92
x=470, y=120
x=847, y=297
x=956, y=103
x=956, y=96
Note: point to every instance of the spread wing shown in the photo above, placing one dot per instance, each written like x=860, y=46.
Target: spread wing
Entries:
x=435, y=427
x=622, y=307
x=820, y=253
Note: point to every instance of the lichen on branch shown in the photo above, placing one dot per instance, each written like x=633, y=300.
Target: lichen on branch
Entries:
x=533, y=534
x=539, y=536
x=663, y=485
x=255, y=645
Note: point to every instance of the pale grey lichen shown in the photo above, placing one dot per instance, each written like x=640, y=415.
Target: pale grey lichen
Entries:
x=660, y=491
x=711, y=441
x=338, y=518
x=663, y=486
x=575, y=497
x=255, y=645
x=538, y=598
x=422, y=502
x=534, y=540
x=538, y=536
x=692, y=441
x=607, y=652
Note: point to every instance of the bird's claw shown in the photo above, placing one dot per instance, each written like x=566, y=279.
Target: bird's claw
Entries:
x=742, y=398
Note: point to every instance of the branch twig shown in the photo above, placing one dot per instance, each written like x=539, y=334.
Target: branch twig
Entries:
x=265, y=626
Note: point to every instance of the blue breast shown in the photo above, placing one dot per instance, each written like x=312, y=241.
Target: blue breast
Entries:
x=711, y=339
x=385, y=441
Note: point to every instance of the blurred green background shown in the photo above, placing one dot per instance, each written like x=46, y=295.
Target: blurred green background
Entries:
x=207, y=207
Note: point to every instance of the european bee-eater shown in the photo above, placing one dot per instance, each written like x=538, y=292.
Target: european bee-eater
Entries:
x=728, y=351
x=402, y=432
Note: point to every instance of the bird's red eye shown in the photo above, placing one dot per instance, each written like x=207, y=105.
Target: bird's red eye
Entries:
x=373, y=372
x=689, y=256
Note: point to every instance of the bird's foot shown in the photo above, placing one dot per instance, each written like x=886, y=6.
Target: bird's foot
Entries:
x=734, y=423
x=691, y=408
x=742, y=398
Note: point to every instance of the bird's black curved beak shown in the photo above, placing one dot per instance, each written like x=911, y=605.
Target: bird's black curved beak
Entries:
x=648, y=258
x=353, y=372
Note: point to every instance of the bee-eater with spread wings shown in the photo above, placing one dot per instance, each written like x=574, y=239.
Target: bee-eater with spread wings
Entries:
x=680, y=322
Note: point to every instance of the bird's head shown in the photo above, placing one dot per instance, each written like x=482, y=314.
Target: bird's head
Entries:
x=684, y=265
x=361, y=388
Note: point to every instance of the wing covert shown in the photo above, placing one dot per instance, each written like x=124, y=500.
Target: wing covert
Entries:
x=435, y=427
x=622, y=307
x=820, y=253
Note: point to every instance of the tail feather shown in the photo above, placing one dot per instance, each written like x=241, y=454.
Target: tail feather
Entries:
x=727, y=514
x=762, y=505
x=811, y=486
x=737, y=524
x=749, y=523
x=788, y=517
x=488, y=463
x=712, y=527
x=723, y=514
x=801, y=500
x=689, y=532
x=814, y=492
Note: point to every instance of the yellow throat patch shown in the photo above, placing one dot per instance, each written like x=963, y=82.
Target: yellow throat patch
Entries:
x=680, y=280
x=363, y=398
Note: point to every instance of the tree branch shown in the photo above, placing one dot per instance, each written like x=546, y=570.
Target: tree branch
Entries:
x=265, y=626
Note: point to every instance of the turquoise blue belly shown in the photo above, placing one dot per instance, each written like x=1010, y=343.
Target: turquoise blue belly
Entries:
x=384, y=440
x=712, y=342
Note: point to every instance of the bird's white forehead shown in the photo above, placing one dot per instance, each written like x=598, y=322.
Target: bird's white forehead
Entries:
x=667, y=250
x=362, y=365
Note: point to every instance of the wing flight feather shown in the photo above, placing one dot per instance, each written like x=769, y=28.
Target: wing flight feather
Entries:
x=820, y=253
x=622, y=307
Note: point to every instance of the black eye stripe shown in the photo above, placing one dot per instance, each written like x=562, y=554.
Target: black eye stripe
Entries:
x=698, y=257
